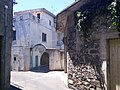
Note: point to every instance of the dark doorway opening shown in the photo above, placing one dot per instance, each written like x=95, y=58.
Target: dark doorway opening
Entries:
x=44, y=62
x=45, y=59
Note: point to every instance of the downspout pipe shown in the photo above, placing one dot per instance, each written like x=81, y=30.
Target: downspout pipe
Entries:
x=65, y=47
x=5, y=29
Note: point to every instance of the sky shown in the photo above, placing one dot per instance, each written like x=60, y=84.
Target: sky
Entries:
x=54, y=6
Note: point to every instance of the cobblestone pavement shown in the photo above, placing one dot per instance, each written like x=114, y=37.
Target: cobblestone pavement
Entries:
x=53, y=80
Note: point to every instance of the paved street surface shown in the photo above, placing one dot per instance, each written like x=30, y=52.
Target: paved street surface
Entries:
x=53, y=80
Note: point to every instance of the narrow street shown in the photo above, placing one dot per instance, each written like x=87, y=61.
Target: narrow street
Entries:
x=54, y=80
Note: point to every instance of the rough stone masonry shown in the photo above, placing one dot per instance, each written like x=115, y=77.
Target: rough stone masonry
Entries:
x=5, y=56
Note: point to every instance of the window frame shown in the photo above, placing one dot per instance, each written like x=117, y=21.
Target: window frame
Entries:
x=14, y=35
x=44, y=37
x=50, y=22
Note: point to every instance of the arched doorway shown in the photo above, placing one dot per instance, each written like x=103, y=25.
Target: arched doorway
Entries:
x=36, y=53
x=44, y=62
x=45, y=59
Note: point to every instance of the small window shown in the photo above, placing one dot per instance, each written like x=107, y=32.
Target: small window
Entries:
x=44, y=37
x=38, y=15
x=14, y=58
x=21, y=17
x=14, y=35
x=50, y=22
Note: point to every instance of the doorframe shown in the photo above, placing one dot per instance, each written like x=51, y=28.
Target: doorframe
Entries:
x=108, y=63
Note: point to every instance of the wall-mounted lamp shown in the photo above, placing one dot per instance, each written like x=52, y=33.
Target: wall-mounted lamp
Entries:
x=14, y=2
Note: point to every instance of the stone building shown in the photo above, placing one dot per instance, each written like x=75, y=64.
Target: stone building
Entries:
x=6, y=15
x=36, y=42
x=92, y=54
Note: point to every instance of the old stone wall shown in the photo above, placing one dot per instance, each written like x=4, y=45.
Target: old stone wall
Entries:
x=83, y=55
x=5, y=70
x=86, y=54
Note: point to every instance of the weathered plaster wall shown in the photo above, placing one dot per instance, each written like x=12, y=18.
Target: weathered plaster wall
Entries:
x=29, y=31
x=88, y=54
x=22, y=28
x=34, y=28
x=60, y=42
x=56, y=60
x=22, y=61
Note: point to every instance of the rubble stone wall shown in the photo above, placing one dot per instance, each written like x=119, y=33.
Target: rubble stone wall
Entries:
x=86, y=54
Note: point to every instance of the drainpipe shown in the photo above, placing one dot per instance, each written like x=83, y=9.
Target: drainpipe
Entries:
x=65, y=55
x=65, y=48
x=5, y=28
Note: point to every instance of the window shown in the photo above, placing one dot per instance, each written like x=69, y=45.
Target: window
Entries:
x=21, y=17
x=44, y=37
x=38, y=15
x=14, y=35
x=49, y=22
x=14, y=58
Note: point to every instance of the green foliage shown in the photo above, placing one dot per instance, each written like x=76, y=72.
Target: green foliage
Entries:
x=113, y=10
x=84, y=17
x=81, y=18
x=84, y=20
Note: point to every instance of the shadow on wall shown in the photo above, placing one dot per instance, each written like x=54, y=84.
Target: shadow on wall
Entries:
x=14, y=88
x=41, y=69
x=84, y=60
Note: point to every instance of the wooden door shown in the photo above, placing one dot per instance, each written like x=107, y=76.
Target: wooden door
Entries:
x=114, y=64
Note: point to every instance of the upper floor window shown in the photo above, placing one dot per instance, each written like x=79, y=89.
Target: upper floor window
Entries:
x=38, y=15
x=14, y=58
x=44, y=37
x=50, y=22
x=21, y=17
x=14, y=35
